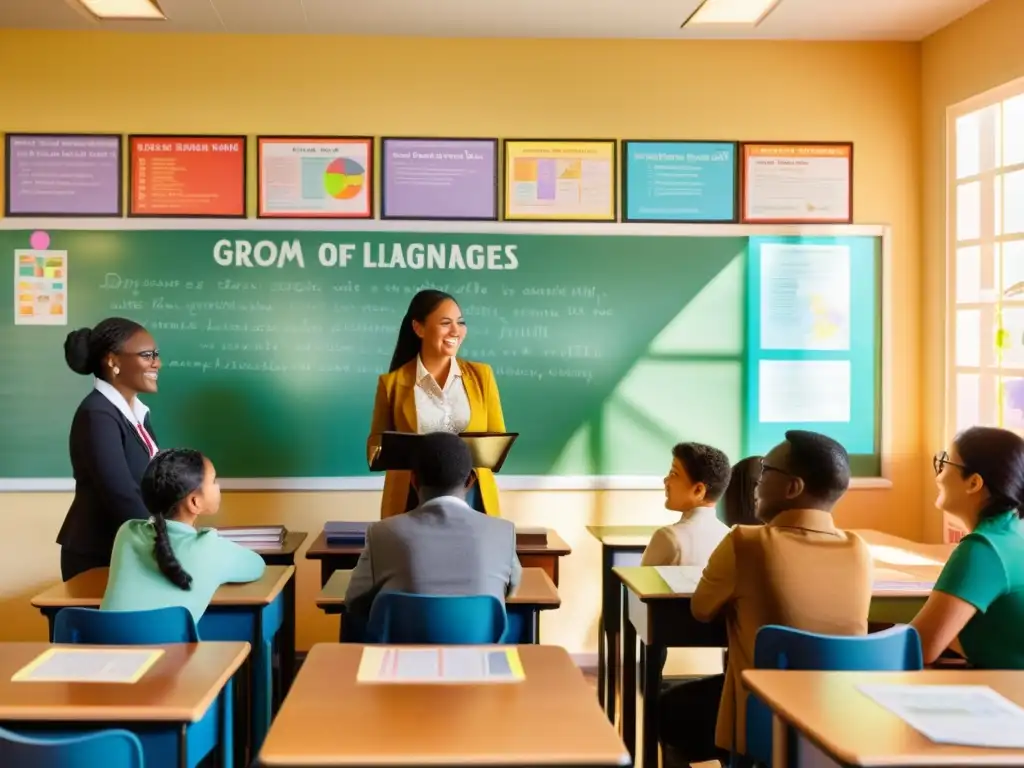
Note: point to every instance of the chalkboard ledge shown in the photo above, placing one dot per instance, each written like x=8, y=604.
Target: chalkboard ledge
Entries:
x=376, y=483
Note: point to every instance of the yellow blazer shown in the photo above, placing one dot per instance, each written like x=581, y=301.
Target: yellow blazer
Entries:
x=394, y=409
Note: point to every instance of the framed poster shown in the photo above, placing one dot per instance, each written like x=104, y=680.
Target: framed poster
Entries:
x=788, y=183
x=315, y=177
x=682, y=181
x=63, y=174
x=560, y=180
x=445, y=179
x=187, y=176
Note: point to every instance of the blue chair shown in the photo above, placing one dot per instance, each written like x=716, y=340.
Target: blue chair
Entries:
x=402, y=618
x=88, y=626
x=110, y=749
x=894, y=650
x=161, y=626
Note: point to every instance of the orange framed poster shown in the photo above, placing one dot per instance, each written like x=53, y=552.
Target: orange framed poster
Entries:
x=790, y=183
x=193, y=176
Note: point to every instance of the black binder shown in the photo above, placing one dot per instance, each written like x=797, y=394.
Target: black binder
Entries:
x=397, y=449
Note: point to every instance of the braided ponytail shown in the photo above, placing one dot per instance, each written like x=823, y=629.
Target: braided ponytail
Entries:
x=171, y=477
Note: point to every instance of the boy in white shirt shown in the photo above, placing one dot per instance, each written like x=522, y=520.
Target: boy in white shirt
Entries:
x=697, y=479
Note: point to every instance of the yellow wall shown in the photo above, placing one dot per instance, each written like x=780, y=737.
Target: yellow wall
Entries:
x=866, y=93
x=979, y=52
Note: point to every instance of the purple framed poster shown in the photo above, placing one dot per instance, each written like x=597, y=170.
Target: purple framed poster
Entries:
x=447, y=179
x=61, y=174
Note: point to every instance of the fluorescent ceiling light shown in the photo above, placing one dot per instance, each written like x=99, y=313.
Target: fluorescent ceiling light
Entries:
x=124, y=9
x=731, y=12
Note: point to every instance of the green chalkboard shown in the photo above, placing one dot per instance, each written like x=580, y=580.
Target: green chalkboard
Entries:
x=609, y=345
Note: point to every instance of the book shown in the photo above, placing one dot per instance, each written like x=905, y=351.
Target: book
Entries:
x=346, y=532
x=254, y=536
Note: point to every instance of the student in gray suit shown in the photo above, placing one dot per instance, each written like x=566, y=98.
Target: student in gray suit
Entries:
x=443, y=546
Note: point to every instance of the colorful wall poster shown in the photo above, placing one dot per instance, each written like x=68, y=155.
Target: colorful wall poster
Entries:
x=797, y=183
x=63, y=175
x=450, y=179
x=812, y=356
x=198, y=176
x=315, y=177
x=691, y=181
x=40, y=287
x=570, y=180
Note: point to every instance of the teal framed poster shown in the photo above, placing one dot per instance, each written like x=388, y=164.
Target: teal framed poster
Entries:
x=680, y=181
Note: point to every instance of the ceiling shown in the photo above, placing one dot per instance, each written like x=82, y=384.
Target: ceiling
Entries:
x=791, y=20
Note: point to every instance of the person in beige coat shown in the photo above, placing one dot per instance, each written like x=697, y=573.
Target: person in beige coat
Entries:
x=798, y=570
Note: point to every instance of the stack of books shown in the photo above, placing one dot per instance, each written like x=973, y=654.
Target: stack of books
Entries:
x=255, y=536
x=531, y=537
x=349, y=533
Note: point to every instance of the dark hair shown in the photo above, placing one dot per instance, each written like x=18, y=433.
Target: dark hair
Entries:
x=168, y=480
x=442, y=462
x=420, y=308
x=997, y=456
x=86, y=348
x=705, y=464
x=821, y=462
x=738, y=504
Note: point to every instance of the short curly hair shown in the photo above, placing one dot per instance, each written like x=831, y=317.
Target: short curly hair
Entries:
x=442, y=461
x=705, y=464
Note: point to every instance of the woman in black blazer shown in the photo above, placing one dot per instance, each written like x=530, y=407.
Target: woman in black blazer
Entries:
x=111, y=441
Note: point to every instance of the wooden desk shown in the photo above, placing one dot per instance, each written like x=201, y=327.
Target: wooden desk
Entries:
x=620, y=545
x=660, y=617
x=284, y=554
x=536, y=593
x=827, y=709
x=343, y=557
x=549, y=719
x=252, y=612
x=175, y=694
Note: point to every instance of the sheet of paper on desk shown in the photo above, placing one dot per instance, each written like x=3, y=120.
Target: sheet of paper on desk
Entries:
x=965, y=715
x=89, y=665
x=681, y=578
x=381, y=664
x=903, y=586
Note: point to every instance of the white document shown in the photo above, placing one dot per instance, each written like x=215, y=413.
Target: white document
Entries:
x=89, y=665
x=803, y=391
x=965, y=715
x=682, y=579
x=381, y=664
x=805, y=297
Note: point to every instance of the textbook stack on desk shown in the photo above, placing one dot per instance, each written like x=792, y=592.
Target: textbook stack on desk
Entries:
x=352, y=533
x=531, y=537
x=256, y=536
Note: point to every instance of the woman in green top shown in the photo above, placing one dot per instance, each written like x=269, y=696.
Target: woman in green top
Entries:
x=977, y=605
x=165, y=561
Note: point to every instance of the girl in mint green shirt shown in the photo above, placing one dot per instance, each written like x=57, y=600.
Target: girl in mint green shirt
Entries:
x=165, y=561
x=977, y=606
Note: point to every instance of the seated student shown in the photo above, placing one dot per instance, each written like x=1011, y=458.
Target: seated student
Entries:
x=697, y=478
x=979, y=596
x=738, y=504
x=797, y=570
x=443, y=546
x=165, y=561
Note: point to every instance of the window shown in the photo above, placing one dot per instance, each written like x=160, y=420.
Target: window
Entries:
x=985, y=261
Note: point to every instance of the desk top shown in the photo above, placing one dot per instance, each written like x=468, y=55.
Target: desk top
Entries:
x=827, y=708
x=536, y=588
x=893, y=551
x=292, y=541
x=179, y=687
x=551, y=718
x=320, y=549
x=646, y=583
x=86, y=590
x=625, y=536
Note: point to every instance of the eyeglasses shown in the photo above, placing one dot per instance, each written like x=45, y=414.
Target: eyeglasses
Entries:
x=941, y=459
x=148, y=354
x=769, y=468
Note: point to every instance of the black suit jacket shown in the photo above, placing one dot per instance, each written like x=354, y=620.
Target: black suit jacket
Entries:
x=108, y=458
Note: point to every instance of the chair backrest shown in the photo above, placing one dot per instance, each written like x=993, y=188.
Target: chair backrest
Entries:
x=893, y=650
x=110, y=749
x=89, y=626
x=402, y=618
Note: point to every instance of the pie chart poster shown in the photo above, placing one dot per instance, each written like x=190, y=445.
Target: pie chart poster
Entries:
x=315, y=178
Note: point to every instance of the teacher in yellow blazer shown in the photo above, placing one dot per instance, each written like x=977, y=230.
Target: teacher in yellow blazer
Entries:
x=428, y=388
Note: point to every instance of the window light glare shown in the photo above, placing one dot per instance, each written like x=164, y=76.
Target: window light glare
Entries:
x=123, y=9
x=731, y=12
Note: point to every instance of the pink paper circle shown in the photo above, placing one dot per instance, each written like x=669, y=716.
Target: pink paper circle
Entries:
x=39, y=241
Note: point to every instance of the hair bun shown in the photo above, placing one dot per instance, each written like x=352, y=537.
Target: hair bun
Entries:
x=76, y=351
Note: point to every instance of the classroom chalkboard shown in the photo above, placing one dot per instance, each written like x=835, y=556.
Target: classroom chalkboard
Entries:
x=609, y=344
